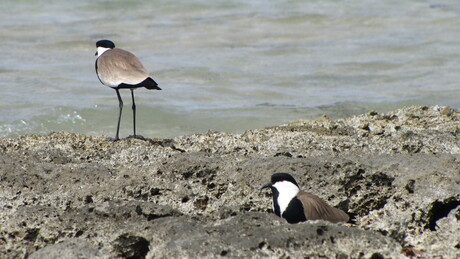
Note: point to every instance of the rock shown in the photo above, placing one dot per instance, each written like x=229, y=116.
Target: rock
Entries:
x=70, y=249
x=130, y=246
x=263, y=235
x=198, y=196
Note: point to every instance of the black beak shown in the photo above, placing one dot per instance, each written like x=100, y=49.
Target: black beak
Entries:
x=95, y=54
x=268, y=185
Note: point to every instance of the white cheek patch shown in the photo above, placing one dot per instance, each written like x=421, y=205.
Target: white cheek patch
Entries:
x=287, y=191
x=101, y=50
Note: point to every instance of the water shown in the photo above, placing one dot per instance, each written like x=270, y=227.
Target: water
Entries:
x=224, y=65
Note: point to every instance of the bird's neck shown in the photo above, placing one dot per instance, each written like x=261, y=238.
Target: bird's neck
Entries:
x=286, y=192
x=101, y=50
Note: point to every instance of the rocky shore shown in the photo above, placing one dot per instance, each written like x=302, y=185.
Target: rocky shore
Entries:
x=66, y=195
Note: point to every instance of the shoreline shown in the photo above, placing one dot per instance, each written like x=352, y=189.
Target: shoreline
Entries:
x=66, y=194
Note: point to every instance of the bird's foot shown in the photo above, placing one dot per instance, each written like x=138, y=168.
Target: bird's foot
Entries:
x=113, y=139
x=140, y=137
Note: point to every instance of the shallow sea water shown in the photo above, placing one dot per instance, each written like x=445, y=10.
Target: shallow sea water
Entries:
x=224, y=65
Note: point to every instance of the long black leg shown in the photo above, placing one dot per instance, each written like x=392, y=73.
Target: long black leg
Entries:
x=134, y=112
x=120, y=105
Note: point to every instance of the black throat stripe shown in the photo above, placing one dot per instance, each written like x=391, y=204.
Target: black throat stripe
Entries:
x=276, y=206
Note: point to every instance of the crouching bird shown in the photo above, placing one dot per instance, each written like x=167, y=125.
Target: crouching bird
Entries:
x=296, y=205
x=120, y=69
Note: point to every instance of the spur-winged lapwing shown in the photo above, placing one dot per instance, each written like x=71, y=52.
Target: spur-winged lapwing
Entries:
x=120, y=69
x=296, y=206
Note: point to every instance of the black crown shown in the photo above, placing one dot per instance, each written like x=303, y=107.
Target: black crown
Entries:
x=105, y=44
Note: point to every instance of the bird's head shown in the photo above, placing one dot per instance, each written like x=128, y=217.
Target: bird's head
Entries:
x=282, y=182
x=103, y=45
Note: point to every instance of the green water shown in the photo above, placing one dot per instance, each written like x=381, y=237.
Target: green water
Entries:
x=224, y=65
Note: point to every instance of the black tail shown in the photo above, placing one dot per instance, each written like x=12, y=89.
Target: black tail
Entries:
x=150, y=84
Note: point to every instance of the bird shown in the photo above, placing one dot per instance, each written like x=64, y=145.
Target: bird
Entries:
x=296, y=206
x=120, y=69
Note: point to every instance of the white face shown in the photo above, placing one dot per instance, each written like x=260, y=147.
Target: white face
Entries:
x=101, y=50
x=287, y=191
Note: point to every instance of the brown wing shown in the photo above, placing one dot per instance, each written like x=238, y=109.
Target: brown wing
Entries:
x=118, y=66
x=317, y=208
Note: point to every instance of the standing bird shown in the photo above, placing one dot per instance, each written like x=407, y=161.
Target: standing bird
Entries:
x=119, y=69
x=296, y=206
